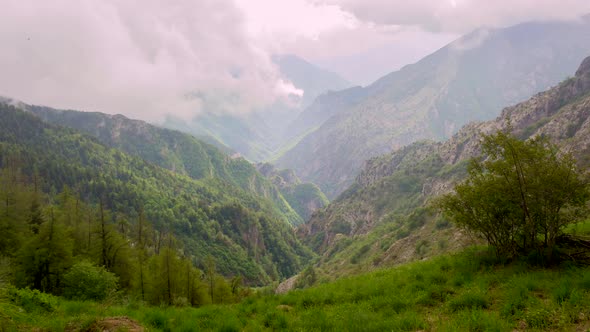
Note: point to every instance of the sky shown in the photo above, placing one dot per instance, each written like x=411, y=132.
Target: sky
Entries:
x=151, y=58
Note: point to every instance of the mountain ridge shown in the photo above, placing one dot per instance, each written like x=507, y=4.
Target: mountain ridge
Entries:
x=469, y=79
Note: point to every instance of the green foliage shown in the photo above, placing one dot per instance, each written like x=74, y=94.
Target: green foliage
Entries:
x=86, y=281
x=45, y=257
x=521, y=197
x=32, y=301
x=307, y=278
x=173, y=150
x=301, y=195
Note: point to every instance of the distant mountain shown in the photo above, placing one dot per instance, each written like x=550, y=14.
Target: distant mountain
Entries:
x=170, y=149
x=312, y=79
x=384, y=217
x=469, y=79
x=259, y=133
x=244, y=233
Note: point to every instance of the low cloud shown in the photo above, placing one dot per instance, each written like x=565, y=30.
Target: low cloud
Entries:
x=461, y=16
x=142, y=58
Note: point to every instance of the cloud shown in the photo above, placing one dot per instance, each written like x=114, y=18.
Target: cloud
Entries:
x=275, y=24
x=461, y=16
x=142, y=58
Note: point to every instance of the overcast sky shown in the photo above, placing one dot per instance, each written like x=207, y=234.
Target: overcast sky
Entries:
x=149, y=58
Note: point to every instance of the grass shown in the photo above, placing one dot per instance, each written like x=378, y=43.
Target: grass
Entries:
x=468, y=291
x=581, y=228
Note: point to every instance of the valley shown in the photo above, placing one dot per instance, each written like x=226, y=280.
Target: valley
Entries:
x=450, y=195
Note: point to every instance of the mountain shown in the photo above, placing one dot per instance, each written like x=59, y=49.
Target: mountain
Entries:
x=469, y=79
x=305, y=198
x=173, y=150
x=312, y=79
x=384, y=217
x=244, y=233
x=257, y=134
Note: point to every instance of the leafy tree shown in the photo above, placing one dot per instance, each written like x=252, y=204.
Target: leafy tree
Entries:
x=519, y=196
x=210, y=276
x=86, y=281
x=46, y=256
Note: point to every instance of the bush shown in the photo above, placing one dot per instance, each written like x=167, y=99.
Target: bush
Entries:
x=32, y=300
x=86, y=281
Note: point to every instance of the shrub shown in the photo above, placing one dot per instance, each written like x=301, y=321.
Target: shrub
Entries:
x=85, y=281
x=32, y=300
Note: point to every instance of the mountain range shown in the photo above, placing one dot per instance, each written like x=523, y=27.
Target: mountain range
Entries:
x=470, y=79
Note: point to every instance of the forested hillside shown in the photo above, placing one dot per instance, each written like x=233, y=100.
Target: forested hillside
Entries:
x=170, y=149
x=243, y=234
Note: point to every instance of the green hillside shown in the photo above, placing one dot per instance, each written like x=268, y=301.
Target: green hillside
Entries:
x=242, y=232
x=170, y=149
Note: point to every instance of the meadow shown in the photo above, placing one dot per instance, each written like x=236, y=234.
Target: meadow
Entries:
x=467, y=291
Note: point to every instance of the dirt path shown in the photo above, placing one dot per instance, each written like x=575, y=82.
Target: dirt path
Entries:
x=115, y=324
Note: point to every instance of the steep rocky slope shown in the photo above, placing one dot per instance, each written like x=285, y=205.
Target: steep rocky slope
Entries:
x=384, y=218
x=469, y=79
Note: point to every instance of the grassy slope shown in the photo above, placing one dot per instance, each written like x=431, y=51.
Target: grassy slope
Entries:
x=468, y=291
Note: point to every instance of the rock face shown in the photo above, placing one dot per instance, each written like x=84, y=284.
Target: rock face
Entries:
x=287, y=285
x=383, y=218
x=470, y=79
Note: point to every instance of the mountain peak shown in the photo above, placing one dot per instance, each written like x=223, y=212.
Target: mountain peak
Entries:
x=584, y=68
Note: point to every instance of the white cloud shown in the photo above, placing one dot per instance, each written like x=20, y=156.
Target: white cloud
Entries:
x=275, y=24
x=461, y=16
x=150, y=58
x=141, y=58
